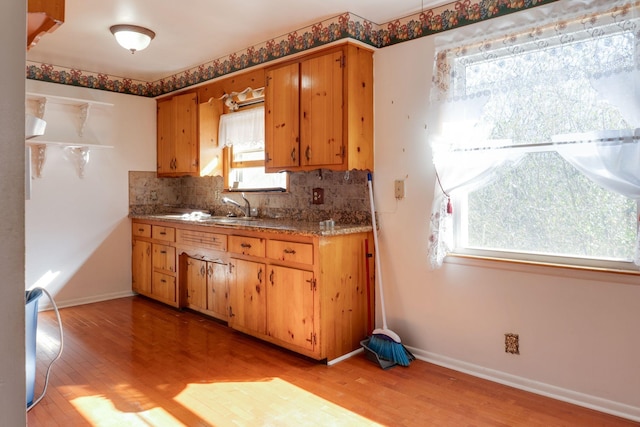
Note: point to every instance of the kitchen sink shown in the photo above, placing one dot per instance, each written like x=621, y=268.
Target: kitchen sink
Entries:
x=230, y=219
x=204, y=218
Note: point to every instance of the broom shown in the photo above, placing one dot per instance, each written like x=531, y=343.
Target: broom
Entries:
x=384, y=342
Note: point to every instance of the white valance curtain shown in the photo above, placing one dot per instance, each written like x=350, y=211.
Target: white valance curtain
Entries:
x=537, y=77
x=244, y=129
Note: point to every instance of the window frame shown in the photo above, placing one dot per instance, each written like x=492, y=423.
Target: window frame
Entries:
x=444, y=82
x=460, y=227
x=228, y=164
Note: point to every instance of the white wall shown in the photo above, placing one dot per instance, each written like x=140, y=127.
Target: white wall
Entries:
x=12, y=354
x=578, y=335
x=77, y=230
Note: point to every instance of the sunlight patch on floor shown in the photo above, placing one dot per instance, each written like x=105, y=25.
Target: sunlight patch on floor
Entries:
x=101, y=412
x=272, y=402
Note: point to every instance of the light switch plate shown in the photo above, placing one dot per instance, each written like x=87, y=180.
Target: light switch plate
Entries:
x=399, y=188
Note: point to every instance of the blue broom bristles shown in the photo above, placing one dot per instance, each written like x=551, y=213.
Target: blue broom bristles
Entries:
x=387, y=349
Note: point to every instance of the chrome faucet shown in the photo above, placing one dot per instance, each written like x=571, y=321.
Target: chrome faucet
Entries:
x=246, y=208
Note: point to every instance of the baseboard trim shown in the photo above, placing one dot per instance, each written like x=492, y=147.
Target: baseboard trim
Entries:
x=558, y=393
x=44, y=303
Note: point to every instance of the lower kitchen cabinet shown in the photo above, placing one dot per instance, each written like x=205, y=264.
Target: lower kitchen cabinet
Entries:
x=141, y=267
x=164, y=258
x=196, y=283
x=163, y=283
x=153, y=264
x=318, y=294
x=290, y=306
x=163, y=288
x=247, y=296
x=308, y=293
x=206, y=286
x=217, y=289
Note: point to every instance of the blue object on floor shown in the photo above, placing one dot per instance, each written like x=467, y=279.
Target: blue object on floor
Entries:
x=31, y=327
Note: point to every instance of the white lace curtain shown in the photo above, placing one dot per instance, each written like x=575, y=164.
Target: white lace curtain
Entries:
x=244, y=129
x=583, y=67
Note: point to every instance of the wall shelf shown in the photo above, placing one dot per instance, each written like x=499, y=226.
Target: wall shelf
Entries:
x=84, y=106
x=76, y=152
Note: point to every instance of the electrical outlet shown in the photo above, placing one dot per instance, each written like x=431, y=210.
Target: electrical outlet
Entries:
x=317, y=196
x=512, y=343
x=399, y=188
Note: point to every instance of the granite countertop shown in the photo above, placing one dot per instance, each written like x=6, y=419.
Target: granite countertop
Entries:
x=278, y=225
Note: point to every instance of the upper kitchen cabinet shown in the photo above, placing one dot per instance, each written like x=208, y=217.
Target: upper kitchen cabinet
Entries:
x=282, y=127
x=319, y=111
x=188, y=123
x=178, y=138
x=44, y=16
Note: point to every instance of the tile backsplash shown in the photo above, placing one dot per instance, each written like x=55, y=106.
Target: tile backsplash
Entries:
x=346, y=198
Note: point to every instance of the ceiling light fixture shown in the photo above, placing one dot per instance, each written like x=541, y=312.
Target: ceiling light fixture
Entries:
x=132, y=37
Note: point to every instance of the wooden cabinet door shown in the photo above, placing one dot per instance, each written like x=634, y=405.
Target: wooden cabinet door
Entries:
x=163, y=288
x=290, y=310
x=282, y=135
x=166, y=135
x=187, y=138
x=164, y=257
x=217, y=289
x=247, y=299
x=196, y=283
x=141, y=267
x=321, y=104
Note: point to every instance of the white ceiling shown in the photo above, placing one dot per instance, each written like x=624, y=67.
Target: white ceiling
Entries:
x=190, y=32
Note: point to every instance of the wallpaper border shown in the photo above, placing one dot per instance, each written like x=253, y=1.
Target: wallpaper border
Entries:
x=345, y=26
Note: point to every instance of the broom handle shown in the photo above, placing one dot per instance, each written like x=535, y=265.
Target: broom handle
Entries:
x=377, y=251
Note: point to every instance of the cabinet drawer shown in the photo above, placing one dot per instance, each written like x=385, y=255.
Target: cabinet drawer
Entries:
x=168, y=234
x=253, y=246
x=290, y=251
x=164, y=258
x=202, y=239
x=141, y=230
x=163, y=287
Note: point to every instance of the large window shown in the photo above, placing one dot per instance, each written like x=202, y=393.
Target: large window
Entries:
x=537, y=150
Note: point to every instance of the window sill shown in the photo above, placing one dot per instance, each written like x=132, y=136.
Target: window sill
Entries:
x=631, y=277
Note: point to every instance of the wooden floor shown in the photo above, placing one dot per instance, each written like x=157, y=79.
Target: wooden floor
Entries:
x=134, y=362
